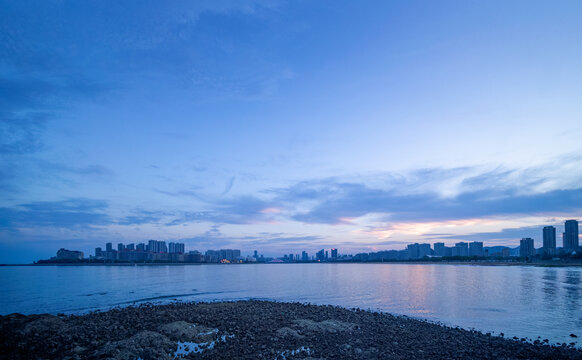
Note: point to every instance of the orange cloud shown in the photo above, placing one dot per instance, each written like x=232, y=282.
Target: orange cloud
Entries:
x=422, y=228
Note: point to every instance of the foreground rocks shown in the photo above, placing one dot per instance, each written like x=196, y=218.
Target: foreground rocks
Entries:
x=252, y=330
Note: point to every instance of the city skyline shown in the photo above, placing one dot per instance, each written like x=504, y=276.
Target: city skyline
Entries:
x=282, y=125
x=154, y=250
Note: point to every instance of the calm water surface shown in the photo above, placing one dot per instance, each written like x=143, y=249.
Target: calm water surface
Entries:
x=516, y=300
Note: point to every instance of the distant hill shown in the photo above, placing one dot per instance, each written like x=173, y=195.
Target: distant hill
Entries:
x=495, y=249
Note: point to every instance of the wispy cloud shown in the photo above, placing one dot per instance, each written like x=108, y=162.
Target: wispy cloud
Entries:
x=420, y=198
x=70, y=213
x=228, y=185
x=234, y=210
x=141, y=217
x=21, y=133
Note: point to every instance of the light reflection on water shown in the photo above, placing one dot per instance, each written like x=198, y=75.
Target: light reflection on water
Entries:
x=516, y=300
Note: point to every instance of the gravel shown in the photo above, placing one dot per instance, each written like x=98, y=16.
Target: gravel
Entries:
x=253, y=330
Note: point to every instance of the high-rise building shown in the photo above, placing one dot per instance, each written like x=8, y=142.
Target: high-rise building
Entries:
x=176, y=248
x=98, y=252
x=140, y=247
x=320, y=256
x=418, y=251
x=439, y=249
x=476, y=248
x=109, y=247
x=334, y=254
x=461, y=249
x=222, y=254
x=120, y=247
x=571, y=241
x=153, y=246
x=412, y=251
x=424, y=250
x=549, y=242
x=212, y=256
x=526, y=247
x=304, y=256
x=130, y=247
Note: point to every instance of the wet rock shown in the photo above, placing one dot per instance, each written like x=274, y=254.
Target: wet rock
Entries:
x=254, y=330
x=331, y=326
x=185, y=331
x=43, y=324
x=145, y=345
x=288, y=332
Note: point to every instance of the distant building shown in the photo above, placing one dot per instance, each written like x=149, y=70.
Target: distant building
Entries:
x=412, y=251
x=334, y=254
x=526, y=247
x=320, y=255
x=109, y=247
x=194, y=256
x=140, y=247
x=461, y=249
x=120, y=247
x=549, y=240
x=476, y=248
x=418, y=251
x=505, y=252
x=424, y=250
x=230, y=255
x=98, y=252
x=571, y=241
x=439, y=249
x=304, y=256
x=212, y=256
x=130, y=247
x=64, y=254
x=176, y=248
x=157, y=246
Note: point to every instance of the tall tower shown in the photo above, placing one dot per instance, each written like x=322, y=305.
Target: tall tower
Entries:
x=571, y=235
x=549, y=246
x=526, y=247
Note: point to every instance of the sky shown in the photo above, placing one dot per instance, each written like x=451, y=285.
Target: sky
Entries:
x=283, y=126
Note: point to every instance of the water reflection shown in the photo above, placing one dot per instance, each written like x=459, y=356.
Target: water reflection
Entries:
x=528, y=286
x=572, y=287
x=517, y=300
x=550, y=286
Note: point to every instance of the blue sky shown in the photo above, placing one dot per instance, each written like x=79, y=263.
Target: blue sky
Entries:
x=286, y=126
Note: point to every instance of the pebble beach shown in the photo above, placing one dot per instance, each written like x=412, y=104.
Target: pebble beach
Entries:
x=254, y=330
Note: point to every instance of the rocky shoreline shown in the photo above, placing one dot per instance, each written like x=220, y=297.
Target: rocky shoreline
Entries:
x=253, y=330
